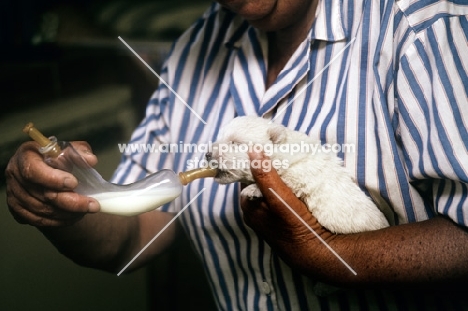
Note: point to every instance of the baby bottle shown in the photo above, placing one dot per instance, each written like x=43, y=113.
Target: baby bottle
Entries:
x=142, y=196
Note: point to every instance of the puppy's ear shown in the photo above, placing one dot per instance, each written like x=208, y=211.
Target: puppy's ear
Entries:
x=277, y=133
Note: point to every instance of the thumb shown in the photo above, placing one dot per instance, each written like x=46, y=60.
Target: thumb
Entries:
x=85, y=151
x=276, y=193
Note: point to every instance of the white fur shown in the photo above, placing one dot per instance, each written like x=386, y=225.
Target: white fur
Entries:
x=318, y=179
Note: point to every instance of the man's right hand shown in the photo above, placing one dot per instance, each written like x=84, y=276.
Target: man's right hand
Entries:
x=40, y=195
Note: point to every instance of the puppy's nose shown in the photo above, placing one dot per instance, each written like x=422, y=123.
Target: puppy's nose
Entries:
x=208, y=156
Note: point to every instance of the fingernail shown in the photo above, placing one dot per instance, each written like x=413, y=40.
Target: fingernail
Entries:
x=50, y=195
x=69, y=183
x=255, y=155
x=93, y=206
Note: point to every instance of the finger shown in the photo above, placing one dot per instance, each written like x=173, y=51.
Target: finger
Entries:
x=24, y=216
x=74, y=155
x=28, y=167
x=39, y=214
x=50, y=202
x=251, y=205
x=72, y=202
x=84, y=149
x=254, y=212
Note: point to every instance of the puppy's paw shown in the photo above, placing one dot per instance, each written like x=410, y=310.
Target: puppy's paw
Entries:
x=251, y=192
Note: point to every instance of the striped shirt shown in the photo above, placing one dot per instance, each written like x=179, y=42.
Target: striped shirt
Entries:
x=388, y=77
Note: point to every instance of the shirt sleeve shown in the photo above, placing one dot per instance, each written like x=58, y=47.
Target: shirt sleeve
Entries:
x=432, y=104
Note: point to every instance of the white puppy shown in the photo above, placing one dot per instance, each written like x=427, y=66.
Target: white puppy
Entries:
x=317, y=178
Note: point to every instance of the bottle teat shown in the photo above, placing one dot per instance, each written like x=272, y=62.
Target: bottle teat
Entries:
x=189, y=176
x=48, y=147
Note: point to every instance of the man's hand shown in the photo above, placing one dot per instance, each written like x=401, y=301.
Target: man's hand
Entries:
x=43, y=196
x=423, y=255
x=275, y=218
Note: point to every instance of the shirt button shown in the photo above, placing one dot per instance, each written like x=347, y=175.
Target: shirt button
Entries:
x=266, y=288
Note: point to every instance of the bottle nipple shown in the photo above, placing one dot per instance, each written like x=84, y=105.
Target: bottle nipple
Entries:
x=189, y=176
x=48, y=147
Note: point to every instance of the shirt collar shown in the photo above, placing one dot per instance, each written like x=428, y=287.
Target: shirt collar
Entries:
x=329, y=24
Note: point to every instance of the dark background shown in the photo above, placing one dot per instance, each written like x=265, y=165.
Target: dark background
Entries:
x=63, y=68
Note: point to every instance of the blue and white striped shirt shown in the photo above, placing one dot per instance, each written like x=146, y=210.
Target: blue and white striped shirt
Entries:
x=390, y=77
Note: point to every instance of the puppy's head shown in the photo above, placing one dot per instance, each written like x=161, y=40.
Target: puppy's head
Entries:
x=235, y=140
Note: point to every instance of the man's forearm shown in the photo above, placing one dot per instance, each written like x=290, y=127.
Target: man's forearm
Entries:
x=109, y=242
x=413, y=255
x=428, y=253
x=98, y=240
